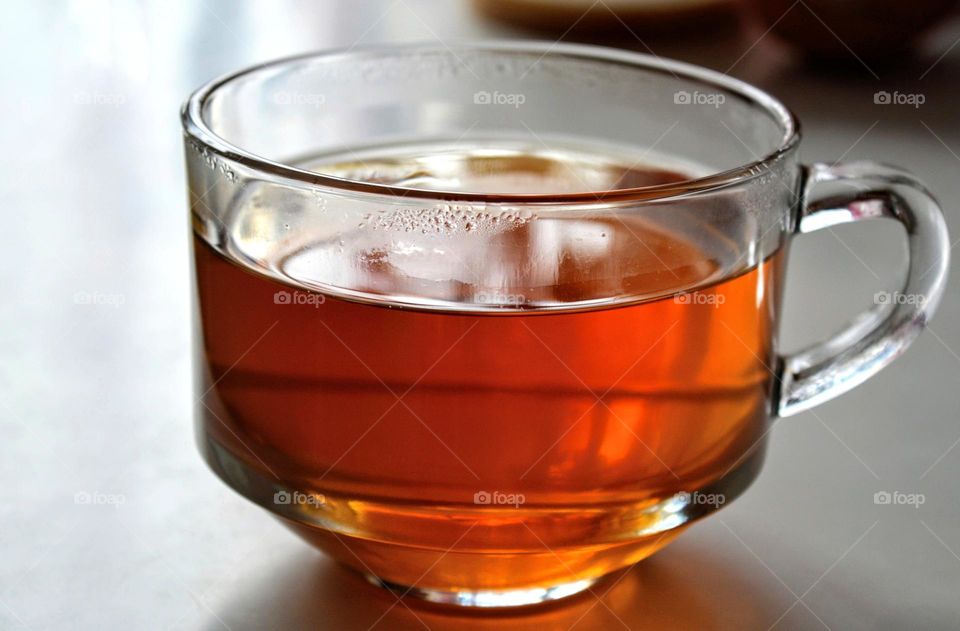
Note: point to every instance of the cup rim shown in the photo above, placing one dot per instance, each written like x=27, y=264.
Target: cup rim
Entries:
x=196, y=128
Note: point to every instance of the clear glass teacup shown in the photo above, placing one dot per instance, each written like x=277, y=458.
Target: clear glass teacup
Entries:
x=487, y=323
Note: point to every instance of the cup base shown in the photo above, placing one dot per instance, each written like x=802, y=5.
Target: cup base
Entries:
x=439, y=563
x=487, y=599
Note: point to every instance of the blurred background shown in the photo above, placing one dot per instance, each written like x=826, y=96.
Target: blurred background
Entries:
x=109, y=518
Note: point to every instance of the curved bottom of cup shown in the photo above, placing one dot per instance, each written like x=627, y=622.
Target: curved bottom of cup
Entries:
x=357, y=533
x=487, y=599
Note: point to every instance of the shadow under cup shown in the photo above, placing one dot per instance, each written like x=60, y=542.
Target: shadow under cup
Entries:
x=491, y=322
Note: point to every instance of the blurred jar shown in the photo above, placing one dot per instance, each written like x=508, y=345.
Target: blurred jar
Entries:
x=830, y=29
x=613, y=17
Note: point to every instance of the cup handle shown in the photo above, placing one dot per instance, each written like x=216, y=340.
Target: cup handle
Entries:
x=852, y=192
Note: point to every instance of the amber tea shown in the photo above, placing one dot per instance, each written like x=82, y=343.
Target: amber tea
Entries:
x=501, y=428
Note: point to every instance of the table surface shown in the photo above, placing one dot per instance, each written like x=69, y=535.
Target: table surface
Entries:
x=95, y=401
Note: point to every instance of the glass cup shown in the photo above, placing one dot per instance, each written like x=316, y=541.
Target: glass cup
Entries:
x=489, y=322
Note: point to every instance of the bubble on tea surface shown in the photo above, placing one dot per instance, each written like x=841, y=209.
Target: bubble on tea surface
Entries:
x=447, y=219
